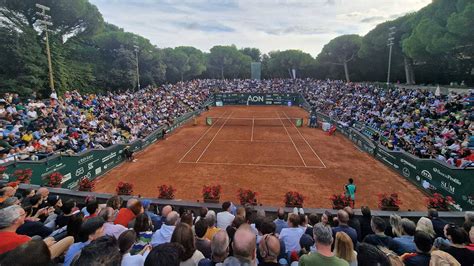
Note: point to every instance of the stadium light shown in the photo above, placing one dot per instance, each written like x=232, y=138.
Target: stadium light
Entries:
x=44, y=22
x=136, y=56
x=390, y=43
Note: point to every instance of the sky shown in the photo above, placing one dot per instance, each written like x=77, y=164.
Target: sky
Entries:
x=265, y=24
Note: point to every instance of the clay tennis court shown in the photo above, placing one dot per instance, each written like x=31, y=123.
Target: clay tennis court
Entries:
x=260, y=148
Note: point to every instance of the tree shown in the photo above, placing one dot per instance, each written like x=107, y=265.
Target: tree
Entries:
x=227, y=61
x=281, y=63
x=341, y=51
x=254, y=53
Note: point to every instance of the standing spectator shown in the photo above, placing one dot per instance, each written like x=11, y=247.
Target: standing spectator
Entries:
x=244, y=246
x=378, y=238
x=91, y=230
x=291, y=235
x=280, y=220
x=202, y=244
x=350, y=190
x=323, y=256
x=353, y=221
x=424, y=243
x=183, y=234
x=163, y=235
x=458, y=239
x=344, y=249
x=155, y=218
x=211, y=223
x=343, y=218
x=225, y=218
x=365, y=222
x=110, y=228
x=404, y=243
x=438, y=224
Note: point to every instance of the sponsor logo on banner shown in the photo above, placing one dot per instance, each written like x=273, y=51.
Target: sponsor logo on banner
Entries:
x=255, y=98
x=98, y=170
x=66, y=178
x=447, y=176
x=403, y=161
x=86, y=159
x=426, y=174
x=79, y=171
x=447, y=186
x=108, y=157
x=406, y=172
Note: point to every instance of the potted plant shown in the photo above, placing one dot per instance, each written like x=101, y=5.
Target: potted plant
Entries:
x=389, y=202
x=294, y=199
x=439, y=202
x=86, y=185
x=55, y=179
x=166, y=192
x=124, y=188
x=211, y=194
x=3, y=169
x=23, y=175
x=247, y=196
x=340, y=201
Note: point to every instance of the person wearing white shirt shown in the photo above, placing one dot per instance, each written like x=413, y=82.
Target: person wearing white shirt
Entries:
x=225, y=218
x=126, y=241
x=291, y=235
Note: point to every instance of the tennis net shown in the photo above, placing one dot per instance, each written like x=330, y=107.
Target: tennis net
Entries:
x=256, y=121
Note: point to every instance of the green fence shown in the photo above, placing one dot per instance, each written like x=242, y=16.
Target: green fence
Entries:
x=257, y=98
x=90, y=164
x=429, y=175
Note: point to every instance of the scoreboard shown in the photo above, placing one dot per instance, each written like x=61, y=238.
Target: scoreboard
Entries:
x=257, y=99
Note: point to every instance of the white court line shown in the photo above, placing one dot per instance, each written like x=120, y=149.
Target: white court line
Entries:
x=255, y=140
x=291, y=139
x=253, y=123
x=209, y=144
x=305, y=140
x=258, y=165
x=200, y=138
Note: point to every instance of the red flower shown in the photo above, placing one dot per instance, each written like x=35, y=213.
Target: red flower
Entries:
x=166, y=192
x=54, y=180
x=211, y=192
x=391, y=200
x=340, y=201
x=124, y=188
x=86, y=185
x=438, y=201
x=247, y=196
x=293, y=198
x=23, y=175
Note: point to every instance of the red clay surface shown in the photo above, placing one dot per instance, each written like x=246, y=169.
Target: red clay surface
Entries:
x=267, y=156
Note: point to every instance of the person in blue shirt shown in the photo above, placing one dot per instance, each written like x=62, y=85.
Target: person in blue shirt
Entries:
x=91, y=229
x=422, y=256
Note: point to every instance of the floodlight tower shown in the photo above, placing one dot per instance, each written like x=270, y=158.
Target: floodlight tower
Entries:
x=44, y=22
x=390, y=44
x=136, y=56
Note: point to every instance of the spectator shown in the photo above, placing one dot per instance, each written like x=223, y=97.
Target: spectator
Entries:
x=167, y=254
x=458, y=239
x=111, y=229
x=92, y=208
x=125, y=242
x=353, y=221
x=312, y=220
x=379, y=238
x=163, y=235
x=280, y=220
x=114, y=202
x=269, y=250
x=326, y=219
x=68, y=209
x=219, y=249
x=6, y=192
x=126, y=215
x=183, y=234
x=438, y=224
x=225, y=218
x=103, y=251
x=394, y=229
x=365, y=222
x=91, y=230
x=424, y=243
x=323, y=256
x=37, y=250
x=202, y=244
x=424, y=224
x=143, y=230
x=291, y=236
x=343, y=219
x=369, y=255
x=344, y=249
x=211, y=223
x=155, y=218
x=238, y=221
x=244, y=247
x=404, y=243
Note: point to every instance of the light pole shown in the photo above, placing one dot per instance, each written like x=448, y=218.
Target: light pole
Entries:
x=45, y=23
x=136, y=56
x=390, y=44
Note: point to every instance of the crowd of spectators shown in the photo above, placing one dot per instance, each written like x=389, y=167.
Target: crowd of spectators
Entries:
x=38, y=228
x=418, y=121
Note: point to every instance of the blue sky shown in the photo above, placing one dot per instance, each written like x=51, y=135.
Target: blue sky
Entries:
x=266, y=24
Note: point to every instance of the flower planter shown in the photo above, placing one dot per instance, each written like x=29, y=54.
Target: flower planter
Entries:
x=339, y=207
x=390, y=208
x=442, y=209
x=211, y=200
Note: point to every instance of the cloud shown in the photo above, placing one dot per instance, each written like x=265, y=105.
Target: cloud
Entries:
x=266, y=24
